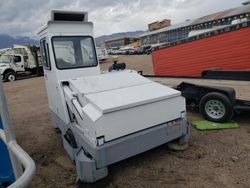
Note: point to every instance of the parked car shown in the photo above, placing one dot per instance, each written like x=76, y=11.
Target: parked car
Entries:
x=143, y=50
x=114, y=52
x=133, y=51
x=123, y=51
x=148, y=51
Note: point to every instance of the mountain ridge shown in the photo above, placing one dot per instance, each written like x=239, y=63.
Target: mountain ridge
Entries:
x=132, y=34
x=7, y=41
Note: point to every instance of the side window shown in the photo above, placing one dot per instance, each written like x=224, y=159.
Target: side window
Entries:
x=87, y=51
x=45, y=54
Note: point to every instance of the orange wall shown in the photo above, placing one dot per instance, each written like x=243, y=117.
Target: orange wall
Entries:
x=229, y=51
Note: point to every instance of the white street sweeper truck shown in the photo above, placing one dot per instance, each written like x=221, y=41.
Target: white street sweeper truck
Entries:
x=104, y=117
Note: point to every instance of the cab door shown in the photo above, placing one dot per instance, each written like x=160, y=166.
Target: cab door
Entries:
x=18, y=63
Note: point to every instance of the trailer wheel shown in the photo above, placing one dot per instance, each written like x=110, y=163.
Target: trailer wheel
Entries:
x=10, y=77
x=216, y=107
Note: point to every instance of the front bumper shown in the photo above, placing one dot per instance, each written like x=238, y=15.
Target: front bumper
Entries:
x=97, y=158
x=92, y=161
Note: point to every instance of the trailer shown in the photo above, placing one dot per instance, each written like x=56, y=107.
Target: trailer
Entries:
x=217, y=100
x=216, y=104
x=103, y=117
x=221, y=54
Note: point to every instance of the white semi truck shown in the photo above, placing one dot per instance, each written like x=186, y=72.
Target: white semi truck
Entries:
x=104, y=117
x=20, y=61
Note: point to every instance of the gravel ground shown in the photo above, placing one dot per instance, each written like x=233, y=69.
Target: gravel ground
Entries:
x=214, y=158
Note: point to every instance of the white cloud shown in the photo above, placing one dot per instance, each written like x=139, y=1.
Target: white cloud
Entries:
x=23, y=18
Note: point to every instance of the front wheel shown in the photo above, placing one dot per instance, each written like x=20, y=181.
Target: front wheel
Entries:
x=10, y=77
x=216, y=107
x=176, y=146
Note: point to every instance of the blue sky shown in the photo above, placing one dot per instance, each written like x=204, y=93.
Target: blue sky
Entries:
x=24, y=17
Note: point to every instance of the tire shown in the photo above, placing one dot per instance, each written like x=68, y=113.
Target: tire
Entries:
x=216, y=107
x=10, y=77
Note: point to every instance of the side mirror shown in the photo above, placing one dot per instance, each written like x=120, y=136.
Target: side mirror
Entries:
x=17, y=59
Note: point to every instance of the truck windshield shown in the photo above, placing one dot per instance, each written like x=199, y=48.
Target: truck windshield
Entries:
x=5, y=58
x=74, y=52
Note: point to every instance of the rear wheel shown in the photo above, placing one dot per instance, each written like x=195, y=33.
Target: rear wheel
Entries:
x=10, y=77
x=216, y=107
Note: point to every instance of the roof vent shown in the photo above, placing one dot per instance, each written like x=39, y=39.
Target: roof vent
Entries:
x=57, y=15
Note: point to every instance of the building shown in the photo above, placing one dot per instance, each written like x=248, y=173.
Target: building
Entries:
x=119, y=42
x=158, y=25
x=200, y=25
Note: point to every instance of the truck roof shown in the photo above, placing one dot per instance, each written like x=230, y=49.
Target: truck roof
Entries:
x=59, y=21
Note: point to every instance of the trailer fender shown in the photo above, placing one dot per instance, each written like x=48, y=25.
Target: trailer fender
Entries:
x=194, y=92
x=222, y=100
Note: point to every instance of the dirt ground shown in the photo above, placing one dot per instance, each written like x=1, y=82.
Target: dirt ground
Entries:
x=214, y=158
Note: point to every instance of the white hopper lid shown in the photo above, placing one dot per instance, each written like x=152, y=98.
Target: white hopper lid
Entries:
x=108, y=81
x=114, y=100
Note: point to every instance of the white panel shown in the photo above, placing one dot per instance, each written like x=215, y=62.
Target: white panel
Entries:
x=120, y=123
x=118, y=99
x=92, y=112
x=108, y=81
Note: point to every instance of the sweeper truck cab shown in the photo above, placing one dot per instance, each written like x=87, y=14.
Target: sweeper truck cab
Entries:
x=104, y=117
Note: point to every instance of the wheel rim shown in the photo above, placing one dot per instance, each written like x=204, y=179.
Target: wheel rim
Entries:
x=215, y=109
x=11, y=78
